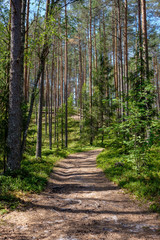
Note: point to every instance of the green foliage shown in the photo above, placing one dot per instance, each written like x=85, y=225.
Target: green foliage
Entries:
x=94, y=122
x=71, y=110
x=120, y=168
x=33, y=174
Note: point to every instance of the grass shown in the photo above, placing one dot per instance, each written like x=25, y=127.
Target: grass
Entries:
x=34, y=173
x=120, y=168
x=117, y=165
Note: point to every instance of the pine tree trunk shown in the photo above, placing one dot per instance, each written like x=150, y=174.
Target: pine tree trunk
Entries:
x=140, y=40
x=62, y=133
x=65, y=80
x=26, y=82
x=39, y=127
x=90, y=68
x=145, y=41
x=55, y=109
x=95, y=44
x=57, y=79
x=116, y=53
x=51, y=104
x=7, y=82
x=14, y=120
x=126, y=52
x=157, y=84
x=85, y=65
x=104, y=39
x=113, y=44
x=46, y=101
x=80, y=81
x=23, y=15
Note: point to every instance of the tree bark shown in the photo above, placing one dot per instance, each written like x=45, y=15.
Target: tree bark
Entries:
x=26, y=82
x=95, y=44
x=121, y=87
x=116, y=53
x=126, y=52
x=23, y=15
x=157, y=84
x=140, y=39
x=80, y=81
x=90, y=68
x=65, y=80
x=145, y=41
x=14, y=120
x=46, y=100
x=39, y=127
x=61, y=66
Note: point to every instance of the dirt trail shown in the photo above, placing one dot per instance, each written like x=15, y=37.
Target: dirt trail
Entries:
x=79, y=203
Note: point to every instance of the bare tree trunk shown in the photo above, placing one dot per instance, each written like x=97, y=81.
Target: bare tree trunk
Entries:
x=113, y=45
x=46, y=100
x=7, y=82
x=126, y=51
x=51, y=104
x=104, y=39
x=85, y=65
x=65, y=80
x=121, y=61
x=116, y=53
x=140, y=38
x=90, y=68
x=23, y=14
x=26, y=82
x=39, y=127
x=62, y=133
x=14, y=120
x=80, y=80
x=58, y=75
x=57, y=79
x=145, y=41
x=95, y=43
x=157, y=84
x=55, y=108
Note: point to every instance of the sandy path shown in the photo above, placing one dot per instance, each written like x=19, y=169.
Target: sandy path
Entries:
x=80, y=204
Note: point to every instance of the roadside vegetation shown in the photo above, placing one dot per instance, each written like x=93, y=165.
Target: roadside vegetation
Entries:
x=34, y=172
x=97, y=59
x=143, y=181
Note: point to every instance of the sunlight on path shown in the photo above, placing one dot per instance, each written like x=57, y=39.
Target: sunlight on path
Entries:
x=79, y=203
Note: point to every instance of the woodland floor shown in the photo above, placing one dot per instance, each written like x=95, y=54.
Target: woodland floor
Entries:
x=79, y=203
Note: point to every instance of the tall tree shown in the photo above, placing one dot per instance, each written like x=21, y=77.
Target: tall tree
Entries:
x=23, y=17
x=120, y=58
x=145, y=40
x=41, y=91
x=65, y=79
x=90, y=67
x=126, y=50
x=26, y=82
x=14, y=121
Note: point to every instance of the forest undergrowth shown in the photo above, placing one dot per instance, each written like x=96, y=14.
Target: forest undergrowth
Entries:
x=116, y=162
x=143, y=182
x=34, y=172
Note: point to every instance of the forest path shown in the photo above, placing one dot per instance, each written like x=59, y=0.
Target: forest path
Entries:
x=79, y=203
